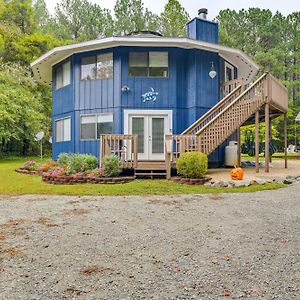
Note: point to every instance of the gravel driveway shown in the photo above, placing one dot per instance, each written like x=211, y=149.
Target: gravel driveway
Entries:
x=173, y=247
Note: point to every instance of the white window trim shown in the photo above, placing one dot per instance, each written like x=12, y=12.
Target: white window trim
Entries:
x=62, y=74
x=146, y=112
x=96, y=122
x=61, y=119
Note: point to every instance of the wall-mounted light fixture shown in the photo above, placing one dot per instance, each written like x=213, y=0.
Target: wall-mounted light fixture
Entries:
x=212, y=73
x=125, y=88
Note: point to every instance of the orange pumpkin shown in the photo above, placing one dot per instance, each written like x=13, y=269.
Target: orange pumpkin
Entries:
x=237, y=173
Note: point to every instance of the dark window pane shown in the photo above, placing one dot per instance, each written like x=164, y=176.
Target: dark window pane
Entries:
x=104, y=128
x=88, y=131
x=105, y=66
x=88, y=68
x=138, y=72
x=158, y=72
x=59, y=78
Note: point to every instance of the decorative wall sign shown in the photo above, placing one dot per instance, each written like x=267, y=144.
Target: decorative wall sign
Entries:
x=150, y=96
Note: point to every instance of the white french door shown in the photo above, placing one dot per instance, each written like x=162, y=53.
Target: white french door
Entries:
x=151, y=130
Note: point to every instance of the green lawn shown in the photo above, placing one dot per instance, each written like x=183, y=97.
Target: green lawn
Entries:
x=12, y=183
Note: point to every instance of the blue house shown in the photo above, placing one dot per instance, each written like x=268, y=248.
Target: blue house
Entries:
x=141, y=83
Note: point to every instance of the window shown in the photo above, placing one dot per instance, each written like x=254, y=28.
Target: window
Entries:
x=63, y=130
x=229, y=72
x=105, y=66
x=97, y=67
x=63, y=75
x=92, y=126
x=148, y=64
x=88, y=68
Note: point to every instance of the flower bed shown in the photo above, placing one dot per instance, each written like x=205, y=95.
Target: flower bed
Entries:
x=83, y=178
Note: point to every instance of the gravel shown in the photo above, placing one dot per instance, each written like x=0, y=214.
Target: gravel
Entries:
x=218, y=246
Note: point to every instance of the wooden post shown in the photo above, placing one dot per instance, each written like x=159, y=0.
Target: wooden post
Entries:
x=257, y=141
x=135, y=149
x=267, y=137
x=270, y=136
x=239, y=147
x=101, y=150
x=285, y=140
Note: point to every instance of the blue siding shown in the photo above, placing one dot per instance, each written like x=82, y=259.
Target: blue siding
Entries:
x=188, y=91
x=203, y=30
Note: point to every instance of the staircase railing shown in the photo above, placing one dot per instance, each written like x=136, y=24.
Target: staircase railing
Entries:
x=208, y=116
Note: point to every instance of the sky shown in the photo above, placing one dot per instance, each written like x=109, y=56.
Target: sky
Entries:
x=213, y=6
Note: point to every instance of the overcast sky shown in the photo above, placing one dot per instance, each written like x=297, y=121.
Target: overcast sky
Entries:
x=213, y=6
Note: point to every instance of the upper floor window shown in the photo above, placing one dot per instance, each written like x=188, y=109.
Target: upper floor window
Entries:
x=63, y=75
x=148, y=64
x=92, y=126
x=97, y=67
x=63, y=130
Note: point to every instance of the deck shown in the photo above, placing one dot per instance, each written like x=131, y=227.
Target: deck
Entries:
x=264, y=99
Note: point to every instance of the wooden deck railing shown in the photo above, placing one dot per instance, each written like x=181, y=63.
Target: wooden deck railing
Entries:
x=122, y=145
x=229, y=86
x=278, y=94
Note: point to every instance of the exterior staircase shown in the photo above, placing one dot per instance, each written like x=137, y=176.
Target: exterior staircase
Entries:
x=222, y=120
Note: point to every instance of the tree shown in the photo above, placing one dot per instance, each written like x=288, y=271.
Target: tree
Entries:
x=99, y=22
x=173, y=19
x=41, y=14
x=19, y=12
x=24, y=108
x=131, y=16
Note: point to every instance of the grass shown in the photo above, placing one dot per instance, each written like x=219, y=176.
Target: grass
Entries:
x=12, y=183
x=276, y=156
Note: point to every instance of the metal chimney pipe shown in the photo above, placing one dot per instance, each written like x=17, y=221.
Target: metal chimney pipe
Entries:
x=202, y=13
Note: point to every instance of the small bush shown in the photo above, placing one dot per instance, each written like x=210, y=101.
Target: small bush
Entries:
x=111, y=166
x=63, y=158
x=47, y=166
x=192, y=164
x=75, y=163
x=30, y=165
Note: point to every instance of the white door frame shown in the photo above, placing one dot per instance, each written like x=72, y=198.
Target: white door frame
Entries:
x=128, y=113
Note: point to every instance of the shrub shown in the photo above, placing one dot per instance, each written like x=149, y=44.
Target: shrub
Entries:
x=63, y=158
x=192, y=164
x=47, y=166
x=30, y=165
x=75, y=163
x=111, y=166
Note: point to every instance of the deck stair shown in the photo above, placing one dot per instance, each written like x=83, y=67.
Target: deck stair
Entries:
x=150, y=173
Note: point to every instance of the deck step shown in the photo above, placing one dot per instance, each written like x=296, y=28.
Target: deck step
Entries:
x=150, y=172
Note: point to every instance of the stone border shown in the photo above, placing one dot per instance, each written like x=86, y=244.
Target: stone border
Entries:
x=78, y=179
x=243, y=183
x=191, y=181
x=23, y=171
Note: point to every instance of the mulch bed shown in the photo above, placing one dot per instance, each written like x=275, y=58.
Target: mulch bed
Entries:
x=197, y=181
x=74, y=179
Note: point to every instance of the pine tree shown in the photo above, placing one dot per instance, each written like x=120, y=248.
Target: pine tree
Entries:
x=173, y=19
